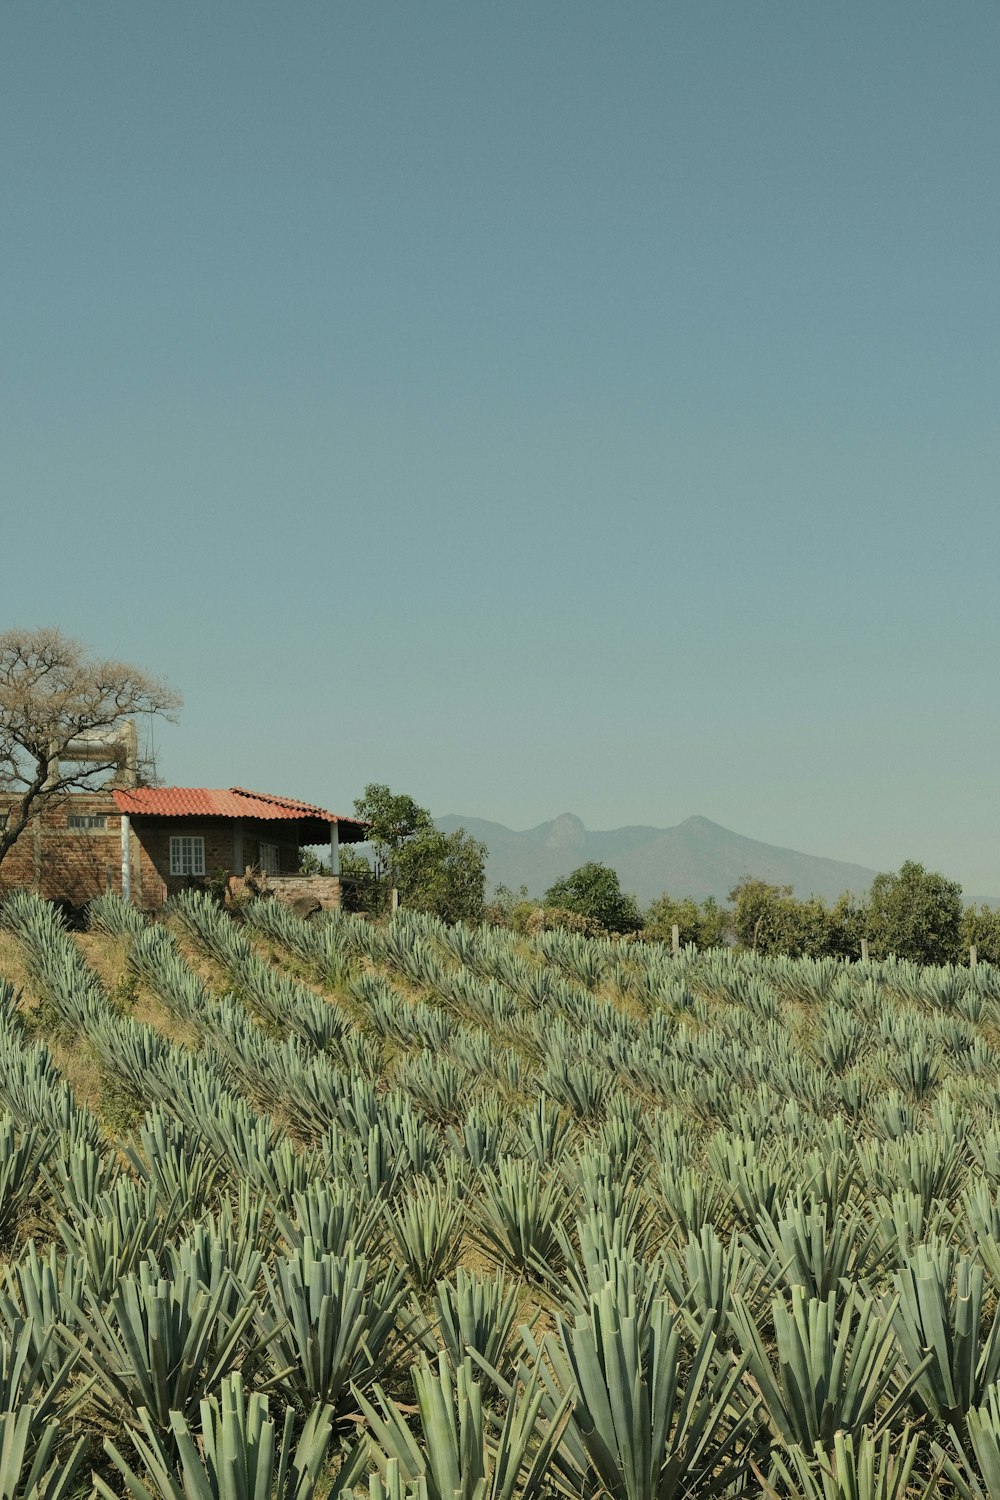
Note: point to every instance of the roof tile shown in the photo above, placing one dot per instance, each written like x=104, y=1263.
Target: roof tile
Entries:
x=209, y=802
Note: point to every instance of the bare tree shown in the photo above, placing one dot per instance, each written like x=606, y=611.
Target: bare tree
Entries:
x=61, y=713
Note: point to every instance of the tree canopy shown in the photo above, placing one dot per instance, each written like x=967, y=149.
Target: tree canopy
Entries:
x=698, y=926
x=915, y=914
x=444, y=874
x=53, y=695
x=594, y=891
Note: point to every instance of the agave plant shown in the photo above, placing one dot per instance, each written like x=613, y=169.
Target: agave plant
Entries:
x=755, y=1174
x=693, y=1199
x=31, y=1373
x=576, y=1085
x=109, y=914
x=976, y=1474
x=707, y=1274
x=457, y=1458
x=857, y=1468
x=834, y=1365
x=949, y=1347
x=518, y=1215
x=20, y=1155
x=484, y=1134
x=545, y=1133
x=914, y=1070
x=123, y=1225
x=650, y=1419
x=332, y=1216
x=158, y=1344
x=601, y=1252
x=327, y=1325
x=814, y=1253
x=30, y=1468
x=171, y=1158
x=237, y=1452
x=471, y=1313
x=43, y=1292
x=604, y=1185
x=426, y=1230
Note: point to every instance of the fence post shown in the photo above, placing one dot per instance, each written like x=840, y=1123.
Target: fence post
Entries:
x=973, y=956
x=394, y=899
x=864, y=950
x=675, y=940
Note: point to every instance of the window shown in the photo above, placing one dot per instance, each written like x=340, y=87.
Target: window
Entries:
x=269, y=859
x=187, y=855
x=86, y=820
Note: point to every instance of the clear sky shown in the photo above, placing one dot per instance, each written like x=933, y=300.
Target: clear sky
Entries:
x=539, y=407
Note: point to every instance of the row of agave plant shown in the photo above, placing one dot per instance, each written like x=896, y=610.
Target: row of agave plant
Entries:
x=490, y=1217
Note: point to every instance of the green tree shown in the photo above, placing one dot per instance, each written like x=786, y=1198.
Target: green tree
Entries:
x=981, y=925
x=444, y=874
x=915, y=914
x=848, y=925
x=770, y=919
x=704, y=926
x=594, y=891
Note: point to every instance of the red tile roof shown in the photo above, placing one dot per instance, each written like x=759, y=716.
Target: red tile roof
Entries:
x=209, y=802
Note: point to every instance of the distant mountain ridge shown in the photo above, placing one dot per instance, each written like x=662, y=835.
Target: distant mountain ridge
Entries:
x=696, y=858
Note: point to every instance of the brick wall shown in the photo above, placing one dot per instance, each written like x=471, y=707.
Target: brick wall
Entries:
x=64, y=863
x=229, y=846
x=76, y=864
x=323, y=888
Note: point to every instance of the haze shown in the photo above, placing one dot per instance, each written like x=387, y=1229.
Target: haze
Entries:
x=535, y=407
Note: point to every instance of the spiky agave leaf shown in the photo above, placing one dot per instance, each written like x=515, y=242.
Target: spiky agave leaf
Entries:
x=29, y=1466
x=833, y=1366
x=860, y=1467
x=327, y=1324
x=651, y=1421
x=939, y=1322
x=426, y=1230
x=457, y=1458
x=240, y=1453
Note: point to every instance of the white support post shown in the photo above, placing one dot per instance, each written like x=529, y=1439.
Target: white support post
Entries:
x=126, y=859
x=334, y=848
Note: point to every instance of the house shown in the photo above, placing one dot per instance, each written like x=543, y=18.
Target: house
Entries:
x=146, y=843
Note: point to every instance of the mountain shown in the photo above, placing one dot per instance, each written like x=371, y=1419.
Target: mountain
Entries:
x=697, y=858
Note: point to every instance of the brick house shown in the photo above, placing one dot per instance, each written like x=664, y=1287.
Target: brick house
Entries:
x=148, y=842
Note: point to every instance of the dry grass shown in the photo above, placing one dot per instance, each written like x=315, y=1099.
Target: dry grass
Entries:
x=149, y=1011
x=12, y=969
x=80, y=1068
x=208, y=971
x=107, y=956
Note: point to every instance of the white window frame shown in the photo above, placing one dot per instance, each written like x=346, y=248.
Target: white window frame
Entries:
x=87, y=822
x=270, y=859
x=187, y=854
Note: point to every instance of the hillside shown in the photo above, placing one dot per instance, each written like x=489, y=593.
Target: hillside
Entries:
x=696, y=858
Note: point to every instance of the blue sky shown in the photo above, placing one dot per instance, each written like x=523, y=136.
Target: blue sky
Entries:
x=537, y=407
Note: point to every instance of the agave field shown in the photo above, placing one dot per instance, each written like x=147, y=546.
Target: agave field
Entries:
x=442, y=1213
